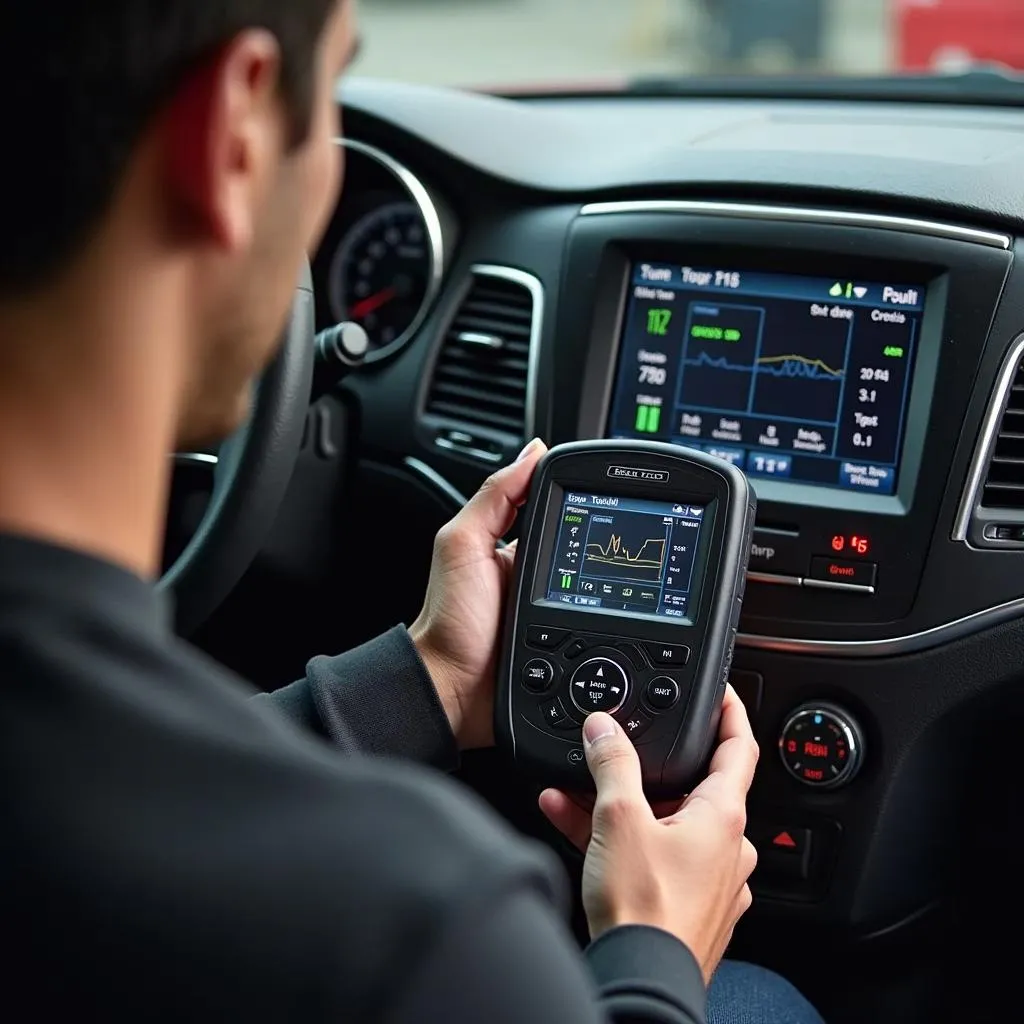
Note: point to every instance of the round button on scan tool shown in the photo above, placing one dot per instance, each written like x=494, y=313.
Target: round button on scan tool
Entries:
x=599, y=684
x=662, y=693
x=538, y=675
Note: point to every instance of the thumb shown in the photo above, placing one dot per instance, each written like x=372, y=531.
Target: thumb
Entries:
x=489, y=514
x=615, y=766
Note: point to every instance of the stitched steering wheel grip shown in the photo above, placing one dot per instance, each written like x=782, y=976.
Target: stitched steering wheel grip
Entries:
x=254, y=467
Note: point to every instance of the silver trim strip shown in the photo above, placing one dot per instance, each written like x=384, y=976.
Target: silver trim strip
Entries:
x=435, y=241
x=533, y=285
x=192, y=458
x=851, y=588
x=890, y=647
x=945, y=633
x=847, y=218
x=987, y=440
x=775, y=578
x=467, y=449
x=431, y=476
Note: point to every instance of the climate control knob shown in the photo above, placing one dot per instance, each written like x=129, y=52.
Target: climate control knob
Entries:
x=822, y=746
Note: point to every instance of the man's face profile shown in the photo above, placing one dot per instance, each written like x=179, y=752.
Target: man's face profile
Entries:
x=279, y=206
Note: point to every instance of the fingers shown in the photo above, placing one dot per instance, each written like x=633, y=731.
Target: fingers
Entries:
x=732, y=768
x=737, y=753
x=615, y=766
x=489, y=514
x=748, y=858
x=508, y=552
x=567, y=816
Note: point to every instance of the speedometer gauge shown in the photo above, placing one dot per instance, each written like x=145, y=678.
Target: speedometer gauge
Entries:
x=381, y=273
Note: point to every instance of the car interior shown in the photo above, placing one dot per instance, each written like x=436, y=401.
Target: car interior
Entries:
x=815, y=281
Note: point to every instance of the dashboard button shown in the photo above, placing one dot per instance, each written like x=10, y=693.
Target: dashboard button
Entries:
x=838, y=570
x=662, y=693
x=636, y=724
x=575, y=649
x=544, y=637
x=783, y=852
x=553, y=712
x=538, y=675
x=599, y=684
x=777, y=553
x=821, y=746
x=667, y=655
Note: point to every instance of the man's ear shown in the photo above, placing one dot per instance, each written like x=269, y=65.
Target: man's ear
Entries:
x=225, y=132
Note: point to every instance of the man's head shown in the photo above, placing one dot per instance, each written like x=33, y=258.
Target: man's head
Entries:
x=190, y=140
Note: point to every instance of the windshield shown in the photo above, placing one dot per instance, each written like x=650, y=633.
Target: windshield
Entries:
x=604, y=43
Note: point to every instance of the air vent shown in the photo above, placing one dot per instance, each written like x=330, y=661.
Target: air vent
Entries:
x=991, y=513
x=1004, y=483
x=481, y=377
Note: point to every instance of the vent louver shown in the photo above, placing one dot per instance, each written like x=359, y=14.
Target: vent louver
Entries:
x=481, y=375
x=1004, y=481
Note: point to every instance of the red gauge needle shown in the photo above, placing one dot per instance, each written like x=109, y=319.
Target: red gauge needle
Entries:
x=364, y=307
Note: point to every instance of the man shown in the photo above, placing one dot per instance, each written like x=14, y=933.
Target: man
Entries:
x=171, y=850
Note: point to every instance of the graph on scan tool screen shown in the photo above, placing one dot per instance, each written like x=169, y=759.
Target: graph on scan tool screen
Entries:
x=626, y=548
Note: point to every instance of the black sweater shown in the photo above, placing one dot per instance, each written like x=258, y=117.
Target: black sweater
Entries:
x=173, y=850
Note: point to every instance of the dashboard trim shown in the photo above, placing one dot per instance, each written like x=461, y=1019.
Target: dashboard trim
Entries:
x=987, y=440
x=535, y=287
x=435, y=240
x=910, y=643
x=429, y=475
x=847, y=218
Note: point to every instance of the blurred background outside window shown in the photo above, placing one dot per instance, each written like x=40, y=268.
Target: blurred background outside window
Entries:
x=542, y=43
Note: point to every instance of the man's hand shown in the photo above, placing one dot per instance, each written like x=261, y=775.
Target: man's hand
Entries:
x=685, y=873
x=458, y=631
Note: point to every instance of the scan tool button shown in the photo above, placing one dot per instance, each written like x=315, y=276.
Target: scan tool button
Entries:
x=636, y=724
x=599, y=684
x=667, y=655
x=553, y=713
x=544, y=637
x=662, y=693
x=538, y=675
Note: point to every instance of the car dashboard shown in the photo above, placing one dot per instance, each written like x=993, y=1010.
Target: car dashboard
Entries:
x=824, y=293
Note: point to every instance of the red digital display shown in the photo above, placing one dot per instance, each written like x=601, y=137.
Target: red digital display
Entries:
x=856, y=543
x=812, y=749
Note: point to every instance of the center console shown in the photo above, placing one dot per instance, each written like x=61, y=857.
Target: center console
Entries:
x=832, y=358
x=863, y=371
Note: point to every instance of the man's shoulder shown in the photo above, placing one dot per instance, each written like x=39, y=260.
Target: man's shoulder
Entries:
x=179, y=829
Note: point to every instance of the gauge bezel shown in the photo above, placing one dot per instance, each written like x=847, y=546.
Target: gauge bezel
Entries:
x=418, y=195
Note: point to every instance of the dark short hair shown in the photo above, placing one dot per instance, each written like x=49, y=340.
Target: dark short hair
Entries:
x=81, y=80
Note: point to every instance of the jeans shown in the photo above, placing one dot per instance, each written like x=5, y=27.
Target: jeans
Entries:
x=742, y=993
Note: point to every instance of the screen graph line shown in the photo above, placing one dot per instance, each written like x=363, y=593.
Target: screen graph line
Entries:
x=616, y=554
x=789, y=365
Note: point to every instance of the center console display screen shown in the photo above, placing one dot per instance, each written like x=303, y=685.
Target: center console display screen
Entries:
x=793, y=378
x=626, y=555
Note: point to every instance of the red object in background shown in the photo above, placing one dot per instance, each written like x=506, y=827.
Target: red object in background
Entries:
x=949, y=35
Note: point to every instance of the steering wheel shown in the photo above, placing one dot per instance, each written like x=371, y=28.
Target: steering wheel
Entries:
x=253, y=468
